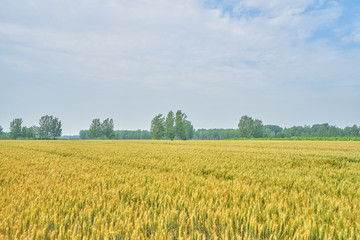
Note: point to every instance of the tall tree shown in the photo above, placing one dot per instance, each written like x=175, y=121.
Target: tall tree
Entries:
x=1, y=130
x=28, y=132
x=15, y=128
x=157, y=127
x=170, y=126
x=258, y=129
x=190, y=130
x=355, y=131
x=95, y=128
x=180, y=125
x=246, y=126
x=107, y=128
x=49, y=127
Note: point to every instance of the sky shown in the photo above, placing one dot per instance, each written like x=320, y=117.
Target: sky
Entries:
x=284, y=62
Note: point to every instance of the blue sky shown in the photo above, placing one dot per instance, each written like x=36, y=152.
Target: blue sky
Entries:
x=284, y=62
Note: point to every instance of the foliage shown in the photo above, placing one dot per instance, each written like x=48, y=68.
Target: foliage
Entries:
x=190, y=130
x=99, y=130
x=270, y=131
x=84, y=134
x=248, y=127
x=181, y=129
x=170, y=126
x=215, y=134
x=49, y=127
x=95, y=129
x=28, y=132
x=179, y=190
x=258, y=129
x=107, y=128
x=15, y=128
x=120, y=134
x=3, y=135
x=129, y=134
x=157, y=129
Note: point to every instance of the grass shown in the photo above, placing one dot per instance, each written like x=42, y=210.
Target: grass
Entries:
x=170, y=190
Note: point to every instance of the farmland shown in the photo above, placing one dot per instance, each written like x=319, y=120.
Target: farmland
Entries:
x=179, y=189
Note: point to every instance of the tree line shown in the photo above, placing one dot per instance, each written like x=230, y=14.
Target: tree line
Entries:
x=176, y=126
x=49, y=128
x=105, y=130
x=172, y=127
x=253, y=128
x=120, y=134
x=249, y=127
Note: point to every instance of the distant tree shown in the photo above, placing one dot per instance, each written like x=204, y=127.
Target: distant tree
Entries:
x=49, y=127
x=181, y=130
x=1, y=130
x=246, y=126
x=23, y=131
x=95, y=129
x=36, y=131
x=320, y=130
x=216, y=134
x=190, y=130
x=15, y=128
x=107, y=128
x=84, y=134
x=129, y=134
x=335, y=132
x=157, y=127
x=112, y=135
x=270, y=131
x=258, y=129
x=355, y=131
x=28, y=133
x=170, y=126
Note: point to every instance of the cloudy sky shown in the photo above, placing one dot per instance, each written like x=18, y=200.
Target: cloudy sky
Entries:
x=284, y=62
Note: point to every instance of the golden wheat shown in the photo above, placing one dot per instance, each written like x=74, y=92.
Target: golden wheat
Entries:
x=174, y=190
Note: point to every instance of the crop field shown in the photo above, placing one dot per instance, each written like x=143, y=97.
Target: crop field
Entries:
x=180, y=189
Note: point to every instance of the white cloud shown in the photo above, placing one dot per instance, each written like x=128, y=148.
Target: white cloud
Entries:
x=353, y=37
x=183, y=45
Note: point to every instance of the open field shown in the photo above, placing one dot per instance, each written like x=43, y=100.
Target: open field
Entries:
x=192, y=189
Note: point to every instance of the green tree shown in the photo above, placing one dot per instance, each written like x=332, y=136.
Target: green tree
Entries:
x=354, y=131
x=157, y=127
x=112, y=135
x=49, y=127
x=95, y=129
x=190, y=130
x=28, y=133
x=107, y=128
x=271, y=130
x=246, y=126
x=170, y=126
x=1, y=130
x=84, y=134
x=15, y=128
x=258, y=129
x=181, y=130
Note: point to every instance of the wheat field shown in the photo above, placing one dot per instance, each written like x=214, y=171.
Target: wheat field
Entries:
x=179, y=190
